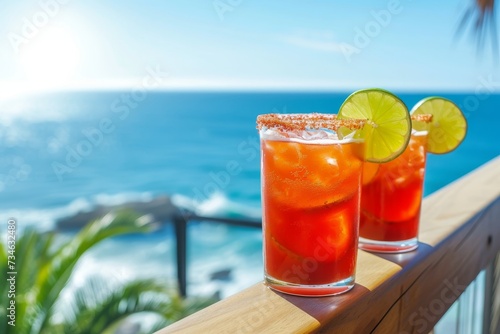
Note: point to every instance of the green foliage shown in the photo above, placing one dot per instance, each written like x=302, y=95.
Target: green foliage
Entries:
x=44, y=269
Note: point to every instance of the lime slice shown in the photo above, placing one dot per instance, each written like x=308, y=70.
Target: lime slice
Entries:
x=447, y=128
x=388, y=127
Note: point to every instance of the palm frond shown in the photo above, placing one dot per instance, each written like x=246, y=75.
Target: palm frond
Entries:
x=478, y=17
x=4, y=288
x=44, y=266
x=31, y=253
x=3, y=254
x=99, y=306
x=54, y=275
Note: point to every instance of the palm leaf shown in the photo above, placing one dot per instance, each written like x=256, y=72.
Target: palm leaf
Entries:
x=99, y=307
x=44, y=268
x=54, y=275
x=478, y=17
x=30, y=253
x=33, y=252
x=4, y=288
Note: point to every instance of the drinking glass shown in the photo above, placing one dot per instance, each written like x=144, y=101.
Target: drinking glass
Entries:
x=391, y=198
x=311, y=183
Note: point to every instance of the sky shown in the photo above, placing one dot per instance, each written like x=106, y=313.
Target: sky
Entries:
x=239, y=44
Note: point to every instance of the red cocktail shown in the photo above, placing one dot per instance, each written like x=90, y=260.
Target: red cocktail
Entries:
x=391, y=199
x=311, y=183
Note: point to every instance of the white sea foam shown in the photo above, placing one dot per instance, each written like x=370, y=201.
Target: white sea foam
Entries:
x=244, y=268
x=216, y=204
x=122, y=198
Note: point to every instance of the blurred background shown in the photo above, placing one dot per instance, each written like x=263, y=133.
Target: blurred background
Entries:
x=107, y=103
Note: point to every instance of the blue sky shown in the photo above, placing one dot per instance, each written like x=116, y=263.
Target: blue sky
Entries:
x=257, y=44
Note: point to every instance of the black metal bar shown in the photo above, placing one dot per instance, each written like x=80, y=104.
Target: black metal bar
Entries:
x=180, y=221
x=180, y=227
x=227, y=221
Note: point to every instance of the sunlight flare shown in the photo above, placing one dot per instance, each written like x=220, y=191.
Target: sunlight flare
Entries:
x=51, y=58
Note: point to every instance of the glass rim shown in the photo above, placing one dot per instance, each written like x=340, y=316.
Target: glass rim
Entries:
x=426, y=118
x=419, y=132
x=309, y=121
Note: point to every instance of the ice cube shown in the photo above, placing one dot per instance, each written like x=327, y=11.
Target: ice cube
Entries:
x=316, y=134
x=332, y=161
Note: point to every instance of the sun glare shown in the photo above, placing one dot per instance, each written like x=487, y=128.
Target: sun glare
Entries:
x=51, y=58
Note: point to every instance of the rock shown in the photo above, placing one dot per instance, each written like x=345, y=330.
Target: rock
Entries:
x=161, y=208
x=221, y=275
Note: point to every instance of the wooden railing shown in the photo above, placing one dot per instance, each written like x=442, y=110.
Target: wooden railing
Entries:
x=404, y=293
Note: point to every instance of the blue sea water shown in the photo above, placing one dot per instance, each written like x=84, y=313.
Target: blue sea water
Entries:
x=65, y=152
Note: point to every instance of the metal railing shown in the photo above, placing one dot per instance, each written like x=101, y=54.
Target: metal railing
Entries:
x=180, y=222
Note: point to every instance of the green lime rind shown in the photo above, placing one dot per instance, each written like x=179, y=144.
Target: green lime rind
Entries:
x=388, y=128
x=448, y=127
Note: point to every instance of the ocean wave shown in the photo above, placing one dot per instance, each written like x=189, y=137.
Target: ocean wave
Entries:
x=44, y=219
x=217, y=204
x=122, y=198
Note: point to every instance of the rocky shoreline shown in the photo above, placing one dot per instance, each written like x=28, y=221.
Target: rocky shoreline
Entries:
x=160, y=208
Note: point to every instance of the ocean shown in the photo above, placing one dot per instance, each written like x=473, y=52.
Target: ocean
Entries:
x=61, y=153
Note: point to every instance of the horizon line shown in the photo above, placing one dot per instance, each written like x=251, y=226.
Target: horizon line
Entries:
x=10, y=90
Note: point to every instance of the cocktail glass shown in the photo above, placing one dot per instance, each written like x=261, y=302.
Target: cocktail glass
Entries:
x=311, y=184
x=391, y=198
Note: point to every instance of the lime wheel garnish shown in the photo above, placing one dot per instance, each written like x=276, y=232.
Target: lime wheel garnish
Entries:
x=388, y=125
x=447, y=127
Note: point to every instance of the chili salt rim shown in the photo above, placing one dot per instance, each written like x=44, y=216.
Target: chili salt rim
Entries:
x=426, y=118
x=291, y=122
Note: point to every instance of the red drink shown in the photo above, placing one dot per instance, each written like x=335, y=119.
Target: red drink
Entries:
x=310, y=198
x=391, y=199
